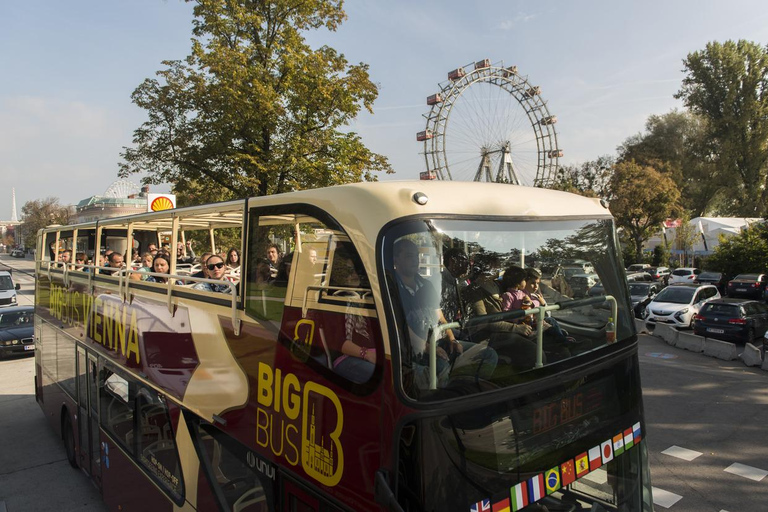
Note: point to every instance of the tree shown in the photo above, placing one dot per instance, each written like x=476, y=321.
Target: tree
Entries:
x=40, y=213
x=253, y=110
x=589, y=179
x=642, y=199
x=747, y=251
x=685, y=236
x=676, y=142
x=727, y=84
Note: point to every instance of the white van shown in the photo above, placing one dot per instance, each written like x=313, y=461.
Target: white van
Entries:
x=7, y=289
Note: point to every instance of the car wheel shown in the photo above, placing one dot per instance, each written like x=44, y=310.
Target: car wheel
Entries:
x=69, y=442
x=751, y=337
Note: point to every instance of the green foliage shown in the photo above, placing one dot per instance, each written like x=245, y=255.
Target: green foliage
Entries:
x=745, y=252
x=727, y=84
x=591, y=179
x=661, y=255
x=40, y=213
x=642, y=199
x=676, y=142
x=253, y=110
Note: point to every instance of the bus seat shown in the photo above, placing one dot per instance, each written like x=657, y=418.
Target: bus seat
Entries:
x=252, y=500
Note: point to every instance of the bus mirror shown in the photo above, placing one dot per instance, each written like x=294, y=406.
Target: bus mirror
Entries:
x=383, y=493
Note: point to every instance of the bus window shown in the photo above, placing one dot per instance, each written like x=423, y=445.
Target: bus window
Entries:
x=242, y=479
x=319, y=300
x=117, y=404
x=157, y=448
x=495, y=345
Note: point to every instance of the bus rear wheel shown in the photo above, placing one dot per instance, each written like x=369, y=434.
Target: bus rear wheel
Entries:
x=68, y=433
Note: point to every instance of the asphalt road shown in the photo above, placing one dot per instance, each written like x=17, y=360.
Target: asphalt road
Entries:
x=709, y=411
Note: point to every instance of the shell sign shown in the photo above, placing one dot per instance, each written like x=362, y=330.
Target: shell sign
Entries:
x=158, y=202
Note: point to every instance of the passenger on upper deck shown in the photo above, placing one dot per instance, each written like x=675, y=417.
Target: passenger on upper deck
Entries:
x=65, y=256
x=358, y=357
x=202, y=273
x=216, y=270
x=161, y=265
x=146, y=266
x=180, y=257
x=114, y=261
x=233, y=259
x=274, y=255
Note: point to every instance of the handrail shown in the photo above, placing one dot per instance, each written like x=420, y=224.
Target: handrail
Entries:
x=328, y=287
x=436, y=332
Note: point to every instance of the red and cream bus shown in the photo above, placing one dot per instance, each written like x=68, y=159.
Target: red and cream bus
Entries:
x=374, y=364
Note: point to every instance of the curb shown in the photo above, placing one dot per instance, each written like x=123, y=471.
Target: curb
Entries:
x=720, y=349
x=691, y=342
x=751, y=355
x=667, y=333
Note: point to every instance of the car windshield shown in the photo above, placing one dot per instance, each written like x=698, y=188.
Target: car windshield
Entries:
x=747, y=277
x=730, y=310
x=15, y=319
x=570, y=272
x=471, y=273
x=639, y=288
x=6, y=283
x=709, y=275
x=675, y=295
x=681, y=272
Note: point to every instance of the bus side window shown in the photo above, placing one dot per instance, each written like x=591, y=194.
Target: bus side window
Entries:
x=117, y=405
x=157, y=447
x=244, y=480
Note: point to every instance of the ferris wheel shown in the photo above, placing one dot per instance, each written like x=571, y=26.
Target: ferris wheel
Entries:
x=488, y=123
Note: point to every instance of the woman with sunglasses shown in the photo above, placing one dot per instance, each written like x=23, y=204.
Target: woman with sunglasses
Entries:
x=217, y=267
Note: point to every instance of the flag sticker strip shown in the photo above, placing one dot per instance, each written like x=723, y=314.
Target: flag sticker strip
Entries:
x=532, y=490
x=595, y=458
x=518, y=497
x=607, y=451
x=481, y=506
x=628, y=439
x=536, y=488
x=618, y=444
x=552, y=480
x=501, y=506
x=582, y=465
x=568, y=472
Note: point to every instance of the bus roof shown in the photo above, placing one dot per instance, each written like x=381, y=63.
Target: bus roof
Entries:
x=381, y=202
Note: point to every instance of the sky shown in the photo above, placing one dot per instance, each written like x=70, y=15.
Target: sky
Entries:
x=69, y=68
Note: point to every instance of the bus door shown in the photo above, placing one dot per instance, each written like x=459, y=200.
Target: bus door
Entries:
x=92, y=421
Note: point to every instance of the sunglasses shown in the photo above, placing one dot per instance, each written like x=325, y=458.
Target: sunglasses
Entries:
x=216, y=265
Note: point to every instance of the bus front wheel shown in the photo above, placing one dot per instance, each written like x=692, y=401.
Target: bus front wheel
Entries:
x=69, y=441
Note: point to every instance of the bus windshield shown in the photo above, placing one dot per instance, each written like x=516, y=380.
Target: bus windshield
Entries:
x=476, y=276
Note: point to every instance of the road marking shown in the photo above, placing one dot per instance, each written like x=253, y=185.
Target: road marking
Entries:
x=746, y=471
x=665, y=499
x=681, y=453
x=599, y=476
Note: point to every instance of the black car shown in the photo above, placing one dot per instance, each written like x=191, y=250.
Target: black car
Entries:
x=748, y=285
x=716, y=278
x=642, y=294
x=17, y=328
x=738, y=320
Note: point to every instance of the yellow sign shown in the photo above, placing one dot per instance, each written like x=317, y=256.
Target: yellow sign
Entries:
x=281, y=402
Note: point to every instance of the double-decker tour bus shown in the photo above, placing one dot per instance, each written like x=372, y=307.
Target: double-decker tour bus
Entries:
x=374, y=349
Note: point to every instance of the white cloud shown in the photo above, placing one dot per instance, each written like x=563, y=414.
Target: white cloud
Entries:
x=519, y=19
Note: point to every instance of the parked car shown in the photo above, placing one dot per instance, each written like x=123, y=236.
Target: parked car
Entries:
x=641, y=295
x=638, y=267
x=7, y=289
x=716, y=278
x=678, y=304
x=738, y=320
x=17, y=253
x=683, y=275
x=640, y=276
x=582, y=283
x=748, y=285
x=660, y=274
x=17, y=329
